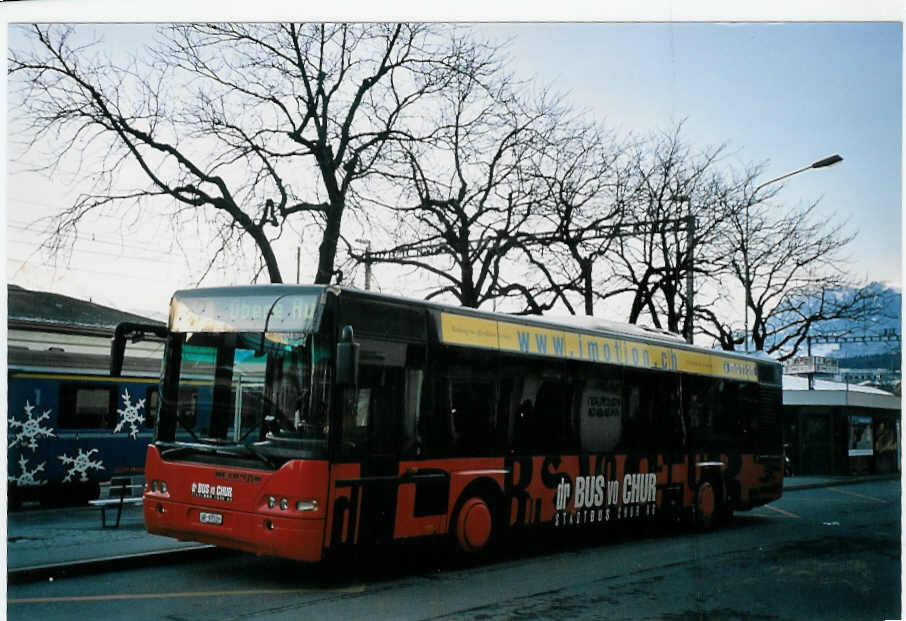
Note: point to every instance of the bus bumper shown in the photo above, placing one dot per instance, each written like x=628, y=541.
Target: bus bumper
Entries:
x=296, y=538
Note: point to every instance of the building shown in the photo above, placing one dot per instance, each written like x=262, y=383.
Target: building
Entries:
x=885, y=379
x=39, y=321
x=840, y=429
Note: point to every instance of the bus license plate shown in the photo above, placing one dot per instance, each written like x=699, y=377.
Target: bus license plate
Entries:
x=210, y=518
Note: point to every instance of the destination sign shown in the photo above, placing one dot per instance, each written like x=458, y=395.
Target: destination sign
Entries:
x=294, y=313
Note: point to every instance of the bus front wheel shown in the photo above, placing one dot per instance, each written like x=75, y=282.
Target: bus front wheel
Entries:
x=473, y=525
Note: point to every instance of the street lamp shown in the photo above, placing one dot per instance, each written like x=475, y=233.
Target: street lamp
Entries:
x=828, y=161
x=823, y=163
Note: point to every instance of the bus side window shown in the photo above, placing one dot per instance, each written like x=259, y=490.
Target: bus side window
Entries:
x=633, y=426
x=600, y=414
x=385, y=385
x=356, y=415
x=373, y=419
x=735, y=419
x=669, y=414
x=749, y=415
x=415, y=377
x=435, y=422
x=412, y=413
x=553, y=420
x=472, y=414
x=460, y=413
x=518, y=388
x=707, y=408
x=652, y=415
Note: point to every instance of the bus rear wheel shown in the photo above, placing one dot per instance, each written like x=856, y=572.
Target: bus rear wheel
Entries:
x=473, y=526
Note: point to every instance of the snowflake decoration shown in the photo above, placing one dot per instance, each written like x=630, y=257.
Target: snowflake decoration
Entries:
x=130, y=415
x=27, y=478
x=30, y=429
x=80, y=464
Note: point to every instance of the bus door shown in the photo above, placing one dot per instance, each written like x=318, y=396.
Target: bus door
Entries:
x=371, y=436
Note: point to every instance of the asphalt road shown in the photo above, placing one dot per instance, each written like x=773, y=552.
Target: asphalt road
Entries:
x=825, y=553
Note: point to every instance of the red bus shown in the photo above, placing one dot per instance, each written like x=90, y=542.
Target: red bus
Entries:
x=296, y=421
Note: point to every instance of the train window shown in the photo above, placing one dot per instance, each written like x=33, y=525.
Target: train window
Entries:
x=152, y=398
x=188, y=408
x=83, y=406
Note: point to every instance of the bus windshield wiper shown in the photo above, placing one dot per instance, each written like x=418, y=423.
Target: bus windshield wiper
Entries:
x=183, y=424
x=256, y=452
x=201, y=447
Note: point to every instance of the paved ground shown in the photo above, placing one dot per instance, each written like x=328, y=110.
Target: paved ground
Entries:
x=37, y=538
x=827, y=553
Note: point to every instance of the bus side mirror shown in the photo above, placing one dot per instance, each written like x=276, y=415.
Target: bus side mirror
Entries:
x=347, y=360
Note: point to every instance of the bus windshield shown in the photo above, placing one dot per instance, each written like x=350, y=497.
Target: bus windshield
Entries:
x=262, y=394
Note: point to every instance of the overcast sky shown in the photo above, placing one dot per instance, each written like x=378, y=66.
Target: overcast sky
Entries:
x=783, y=94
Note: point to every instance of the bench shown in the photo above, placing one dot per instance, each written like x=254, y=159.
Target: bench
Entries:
x=119, y=493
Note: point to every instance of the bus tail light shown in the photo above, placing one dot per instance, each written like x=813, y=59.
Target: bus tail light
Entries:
x=307, y=505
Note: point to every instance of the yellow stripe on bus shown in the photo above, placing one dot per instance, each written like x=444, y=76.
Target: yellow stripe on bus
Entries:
x=579, y=345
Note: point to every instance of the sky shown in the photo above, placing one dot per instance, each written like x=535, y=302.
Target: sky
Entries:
x=778, y=94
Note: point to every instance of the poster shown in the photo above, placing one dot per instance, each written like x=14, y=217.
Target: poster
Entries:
x=860, y=436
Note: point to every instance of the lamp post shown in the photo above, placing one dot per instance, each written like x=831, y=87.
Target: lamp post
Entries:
x=823, y=163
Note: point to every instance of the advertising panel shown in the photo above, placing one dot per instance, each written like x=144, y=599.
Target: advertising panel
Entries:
x=508, y=336
x=860, y=436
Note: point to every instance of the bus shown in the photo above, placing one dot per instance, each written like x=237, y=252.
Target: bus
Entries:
x=73, y=424
x=298, y=421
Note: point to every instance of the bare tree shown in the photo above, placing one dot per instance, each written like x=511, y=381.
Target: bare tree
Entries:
x=582, y=203
x=259, y=123
x=668, y=183
x=792, y=272
x=469, y=196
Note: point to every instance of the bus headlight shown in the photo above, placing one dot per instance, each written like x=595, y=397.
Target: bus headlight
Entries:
x=307, y=505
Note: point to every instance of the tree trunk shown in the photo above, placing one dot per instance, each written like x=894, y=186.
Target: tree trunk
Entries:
x=588, y=288
x=327, y=251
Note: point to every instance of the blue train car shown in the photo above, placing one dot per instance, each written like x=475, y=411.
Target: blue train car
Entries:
x=72, y=425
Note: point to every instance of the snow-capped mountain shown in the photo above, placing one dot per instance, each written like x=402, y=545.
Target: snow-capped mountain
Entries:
x=886, y=321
